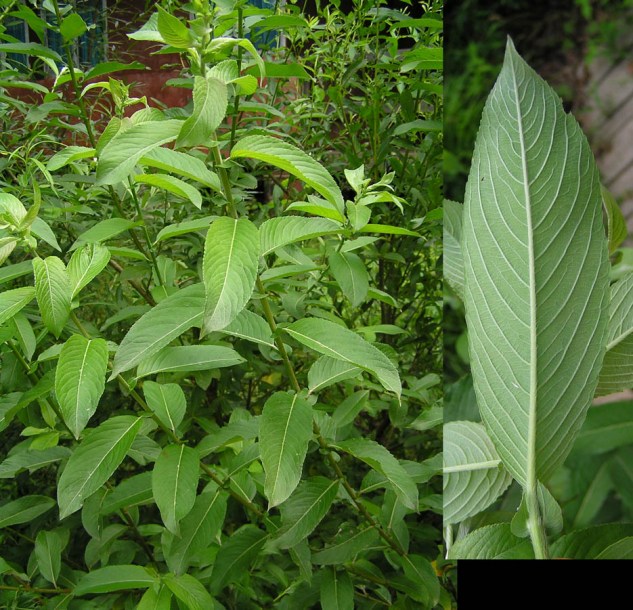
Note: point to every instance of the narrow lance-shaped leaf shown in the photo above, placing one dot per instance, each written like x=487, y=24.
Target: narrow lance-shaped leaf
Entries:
x=53, y=292
x=122, y=152
x=12, y=301
x=24, y=510
x=381, y=460
x=292, y=160
x=159, y=326
x=284, y=433
x=190, y=591
x=235, y=555
x=536, y=272
x=304, y=510
x=94, y=461
x=209, y=108
x=473, y=475
x=337, y=590
x=48, y=552
x=80, y=380
x=342, y=344
x=278, y=232
x=114, y=578
x=229, y=268
x=188, y=358
x=617, y=369
x=174, y=483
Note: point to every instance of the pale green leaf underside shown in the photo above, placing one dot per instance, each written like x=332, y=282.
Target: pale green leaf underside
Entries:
x=85, y=264
x=342, y=344
x=292, y=160
x=536, y=271
x=278, y=232
x=453, y=258
x=178, y=187
x=209, y=108
x=80, y=380
x=250, y=326
x=617, y=369
x=94, y=461
x=181, y=163
x=473, y=475
x=285, y=428
x=229, y=269
x=327, y=371
x=159, y=326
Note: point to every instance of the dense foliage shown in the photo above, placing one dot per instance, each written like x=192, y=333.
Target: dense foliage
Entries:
x=220, y=324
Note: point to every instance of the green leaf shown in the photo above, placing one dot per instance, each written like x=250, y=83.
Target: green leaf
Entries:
x=209, y=108
x=591, y=484
x=189, y=358
x=347, y=548
x=172, y=185
x=250, y=326
x=12, y=272
x=229, y=268
x=123, y=151
x=190, y=591
x=278, y=232
x=24, y=509
x=183, y=164
x=135, y=491
x=285, y=429
x=473, y=475
x=327, y=371
x=351, y=275
x=492, y=542
x=347, y=410
x=536, y=272
x=551, y=514
x=337, y=590
x=304, y=510
x=453, y=258
x=380, y=459
x=68, y=155
x=31, y=460
x=72, y=26
x=53, y=292
x=174, y=484
x=292, y=160
x=421, y=575
x=114, y=578
x=159, y=326
x=342, y=344
x=94, y=461
x=48, y=552
x=235, y=556
x=591, y=542
x=173, y=31
x=607, y=427
x=12, y=301
x=80, y=380
x=388, y=230
x=156, y=600
x=105, y=230
x=107, y=67
x=31, y=48
x=187, y=226
x=197, y=529
x=622, y=549
x=167, y=401
x=42, y=230
x=617, y=369
x=616, y=226
x=85, y=264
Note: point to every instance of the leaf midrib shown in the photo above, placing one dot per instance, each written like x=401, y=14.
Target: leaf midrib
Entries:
x=283, y=444
x=532, y=419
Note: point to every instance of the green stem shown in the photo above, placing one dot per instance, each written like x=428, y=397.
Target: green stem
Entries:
x=535, y=524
